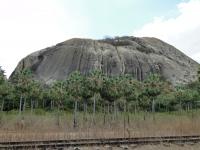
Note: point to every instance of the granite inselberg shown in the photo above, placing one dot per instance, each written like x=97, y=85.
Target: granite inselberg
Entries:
x=132, y=55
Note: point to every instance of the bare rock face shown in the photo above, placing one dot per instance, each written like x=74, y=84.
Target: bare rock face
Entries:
x=124, y=55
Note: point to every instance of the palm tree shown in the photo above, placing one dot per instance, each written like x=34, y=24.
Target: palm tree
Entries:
x=166, y=102
x=96, y=81
x=130, y=88
x=4, y=88
x=22, y=82
x=48, y=96
x=86, y=94
x=35, y=94
x=59, y=93
x=74, y=89
x=152, y=88
x=111, y=91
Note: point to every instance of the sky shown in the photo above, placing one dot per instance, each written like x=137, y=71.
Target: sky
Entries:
x=30, y=25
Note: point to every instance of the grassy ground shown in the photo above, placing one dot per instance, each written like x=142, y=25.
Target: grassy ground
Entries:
x=145, y=147
x=42, y=125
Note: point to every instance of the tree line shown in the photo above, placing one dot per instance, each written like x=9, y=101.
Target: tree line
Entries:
x=96, y=92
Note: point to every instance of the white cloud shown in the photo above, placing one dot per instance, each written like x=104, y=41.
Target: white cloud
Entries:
x=30, y=25
x=182, y=31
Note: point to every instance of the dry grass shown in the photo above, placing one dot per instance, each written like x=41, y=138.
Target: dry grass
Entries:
x=145, y=147
x=49, y=126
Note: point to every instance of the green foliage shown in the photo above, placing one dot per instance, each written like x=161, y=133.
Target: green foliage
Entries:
x=2, y=76
x=110, y=90
x=186, y=97
x=152, y=88
x=96, y=80
x=87, y=91
x=152, y=85
x=40, y=112
x=74, y=86
x=117, y=90
x=166, y=102
x=22, y=82
x=35, y=90
x=58, y=93
x=198, y=73
x=6, y=90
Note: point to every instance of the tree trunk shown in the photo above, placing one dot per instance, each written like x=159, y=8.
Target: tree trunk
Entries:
x=153, y=106
x=36, y=103
x=124, y=119
x=192, y=107
x=43, y=103
x=2, y=105
x=100, y=108
x=108, y=108
x=128, y=117
x=124, y=126
x=24, y=106
x=159, y=106
x=94, y=109
x=75, y=115
x=58, y=116
x=111, y=112
x=115, y=111
x=153, y=109
x=188, y=107
x=104, y=112
x=180, y=106
x=31, y=106
x=124, y=106
x=51, y=104
x=20, y=105
x=144, y=115
x=135, y=108
x=13, y=104
x=85, y=110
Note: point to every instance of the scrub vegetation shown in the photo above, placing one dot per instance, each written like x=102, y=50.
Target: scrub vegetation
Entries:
x=96, y=105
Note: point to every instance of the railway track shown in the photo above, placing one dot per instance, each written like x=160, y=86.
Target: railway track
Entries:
x=59, y=144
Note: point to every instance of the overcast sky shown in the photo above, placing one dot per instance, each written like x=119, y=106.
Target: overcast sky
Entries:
x=30, y=25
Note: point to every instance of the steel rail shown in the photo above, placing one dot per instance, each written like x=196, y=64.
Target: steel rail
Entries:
x=98, y=142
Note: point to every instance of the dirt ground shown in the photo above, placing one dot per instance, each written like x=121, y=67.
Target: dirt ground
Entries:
x=144, y=147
